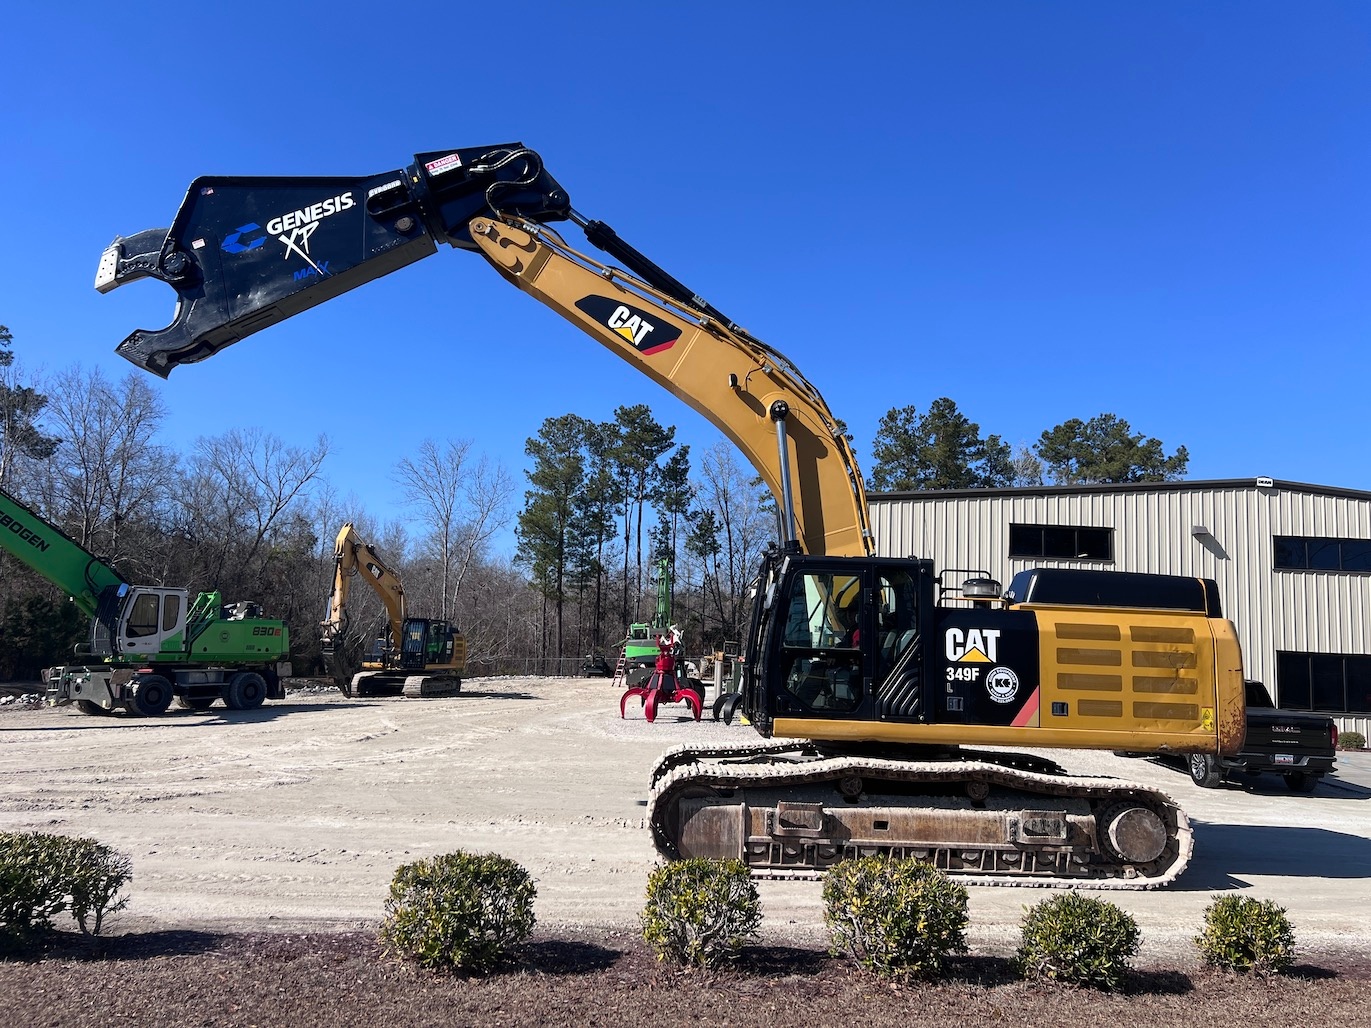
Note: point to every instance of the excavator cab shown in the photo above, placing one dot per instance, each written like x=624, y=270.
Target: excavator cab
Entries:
x=844, y=644
x=883, y=652
x=427, y=643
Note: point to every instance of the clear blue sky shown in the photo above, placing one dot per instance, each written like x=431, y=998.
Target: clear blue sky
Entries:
x=1044, y=210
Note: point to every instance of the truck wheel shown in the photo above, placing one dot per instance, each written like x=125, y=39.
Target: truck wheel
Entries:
x=151, y=696
x=246, y=691
x=1301, y=781
x=1204, y=771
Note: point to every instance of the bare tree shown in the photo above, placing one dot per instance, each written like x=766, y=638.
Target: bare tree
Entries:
x=731, y=535
x=463, y=502
x=245, y=484
x=502, y=620
x=107, y=472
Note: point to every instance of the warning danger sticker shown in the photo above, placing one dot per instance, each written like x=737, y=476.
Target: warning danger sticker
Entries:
x=443, y=164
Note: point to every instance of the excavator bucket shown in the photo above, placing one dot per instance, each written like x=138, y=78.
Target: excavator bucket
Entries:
x=245, y=253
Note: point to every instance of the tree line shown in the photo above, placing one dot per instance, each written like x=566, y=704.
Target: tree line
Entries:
x=255, y=518
x=943, y=449
x=591, y=485
x=607, y=501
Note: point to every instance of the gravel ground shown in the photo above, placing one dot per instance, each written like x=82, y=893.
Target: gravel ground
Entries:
x=263, y=843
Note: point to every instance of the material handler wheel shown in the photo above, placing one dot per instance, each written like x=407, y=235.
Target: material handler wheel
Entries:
x=195, y=702
x=93, y=709
x=151, y=696
x=1301, y=781
x=1204, y=771
x=246, y=691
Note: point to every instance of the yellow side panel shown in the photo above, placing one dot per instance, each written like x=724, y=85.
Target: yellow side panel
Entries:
x=1148, y=674
x=1143, y=681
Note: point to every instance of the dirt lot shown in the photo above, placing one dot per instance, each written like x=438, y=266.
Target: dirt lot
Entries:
x=290, y=820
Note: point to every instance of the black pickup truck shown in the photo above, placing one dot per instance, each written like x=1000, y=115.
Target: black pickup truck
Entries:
x=1294, y=744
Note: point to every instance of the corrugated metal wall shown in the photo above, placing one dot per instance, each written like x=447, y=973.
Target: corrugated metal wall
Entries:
x=1154, y=531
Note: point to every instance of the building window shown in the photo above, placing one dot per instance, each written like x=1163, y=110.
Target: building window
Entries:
x=1061, y=542
x=1331, y=683
x=1314, y=553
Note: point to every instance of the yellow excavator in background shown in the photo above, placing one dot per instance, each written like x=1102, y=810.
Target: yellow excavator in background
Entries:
x=416, y=657
x=869, y=677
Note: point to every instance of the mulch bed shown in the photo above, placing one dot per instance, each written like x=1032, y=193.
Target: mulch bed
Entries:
x=183, y=978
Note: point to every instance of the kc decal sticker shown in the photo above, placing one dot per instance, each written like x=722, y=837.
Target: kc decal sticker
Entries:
x=1002, y=684
x=646, y=332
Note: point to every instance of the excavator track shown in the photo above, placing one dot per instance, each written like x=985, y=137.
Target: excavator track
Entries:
x=374, y=683
x=430, y=686
x=790, y=812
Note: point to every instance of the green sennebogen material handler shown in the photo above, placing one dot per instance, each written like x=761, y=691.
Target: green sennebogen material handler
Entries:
x=640, y=647
x=148, y=644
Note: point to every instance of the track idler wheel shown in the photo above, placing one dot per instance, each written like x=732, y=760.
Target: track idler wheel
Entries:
x=1133, y=833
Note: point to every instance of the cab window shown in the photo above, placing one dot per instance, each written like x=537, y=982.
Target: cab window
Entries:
x=171, y=612
x=896, y=621
x=821, y=654
x=143, y=617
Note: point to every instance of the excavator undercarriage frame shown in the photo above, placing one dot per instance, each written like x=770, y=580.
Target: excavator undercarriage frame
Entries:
x=792, y=811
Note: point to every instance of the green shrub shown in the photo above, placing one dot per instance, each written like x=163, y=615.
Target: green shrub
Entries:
x=1351, y=741
x=461, y=911
x=1077, y=940
x=32, y=883
x=1246, y=935
x=44, y=875
x=900, y=918
x=699, y=911
x=95, y=875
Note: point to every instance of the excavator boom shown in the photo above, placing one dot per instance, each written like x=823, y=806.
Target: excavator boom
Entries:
x=352, y=557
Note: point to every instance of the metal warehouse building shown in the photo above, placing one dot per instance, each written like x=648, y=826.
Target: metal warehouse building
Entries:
x=1293, y=561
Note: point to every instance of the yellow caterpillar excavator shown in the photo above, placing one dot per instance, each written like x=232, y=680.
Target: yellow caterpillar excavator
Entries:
x=868, y=677
x=417, y=657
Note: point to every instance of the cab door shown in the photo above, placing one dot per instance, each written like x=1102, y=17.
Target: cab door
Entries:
x=153, y=621
x=902, y=599
x=818, y=668
x=847, y=643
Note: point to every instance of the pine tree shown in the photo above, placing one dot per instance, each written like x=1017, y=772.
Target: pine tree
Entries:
x=942, y=449
x=1106, y=449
